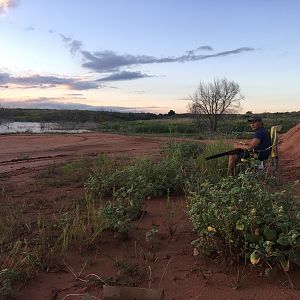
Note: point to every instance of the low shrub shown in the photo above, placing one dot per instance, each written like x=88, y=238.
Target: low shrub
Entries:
x=241, y=218
x=144, y=176
x=130, y=184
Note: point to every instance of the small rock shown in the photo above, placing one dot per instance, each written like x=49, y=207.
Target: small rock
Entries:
x=196, y=252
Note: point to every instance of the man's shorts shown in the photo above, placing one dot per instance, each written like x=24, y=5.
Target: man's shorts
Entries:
x=245, y=154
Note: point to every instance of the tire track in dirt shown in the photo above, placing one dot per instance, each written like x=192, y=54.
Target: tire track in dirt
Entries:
x=13, y=161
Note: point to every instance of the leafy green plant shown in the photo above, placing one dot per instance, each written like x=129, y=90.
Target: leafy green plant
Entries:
x=116, y=218
x=241, y=218
x=150, y=234
x=143, y=176
x=7, y=278
x=132, y=183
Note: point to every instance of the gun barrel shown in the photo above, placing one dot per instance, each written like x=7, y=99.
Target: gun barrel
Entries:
x=231, y=152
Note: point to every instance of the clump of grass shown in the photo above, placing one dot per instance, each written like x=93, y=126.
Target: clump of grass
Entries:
x=183, y=150
x=213, y=169
x=80, y=226
x=57, y=175
x=29, y=245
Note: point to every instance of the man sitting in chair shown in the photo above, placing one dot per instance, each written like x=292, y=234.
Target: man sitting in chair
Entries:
x=260, y=144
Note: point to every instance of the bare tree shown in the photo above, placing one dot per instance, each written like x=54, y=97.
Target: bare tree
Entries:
x=212, y=100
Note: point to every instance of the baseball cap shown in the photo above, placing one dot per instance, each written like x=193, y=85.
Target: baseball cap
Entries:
x=254, y=118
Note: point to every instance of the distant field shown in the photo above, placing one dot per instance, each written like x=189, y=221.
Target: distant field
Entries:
x=178, y=125
x=231, y=127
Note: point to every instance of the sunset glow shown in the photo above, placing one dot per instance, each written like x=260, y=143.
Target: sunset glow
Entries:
x=148, y=55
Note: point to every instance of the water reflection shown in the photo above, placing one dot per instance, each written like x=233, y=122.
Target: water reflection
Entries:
x=39, y=127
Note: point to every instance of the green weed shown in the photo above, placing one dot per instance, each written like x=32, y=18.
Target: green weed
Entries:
x=242, y=218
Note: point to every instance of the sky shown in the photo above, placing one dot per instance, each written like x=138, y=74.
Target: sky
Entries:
x=141, y=55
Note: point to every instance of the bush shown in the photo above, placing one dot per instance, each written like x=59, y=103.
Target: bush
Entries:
x=241, y=218
x=184, y=150
x=146, y=177
x=130, y=184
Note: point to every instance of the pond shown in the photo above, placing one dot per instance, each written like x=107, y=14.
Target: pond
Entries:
x=39, y=127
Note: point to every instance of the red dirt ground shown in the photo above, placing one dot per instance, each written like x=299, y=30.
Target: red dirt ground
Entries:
x=173, y=267
x=290, y=155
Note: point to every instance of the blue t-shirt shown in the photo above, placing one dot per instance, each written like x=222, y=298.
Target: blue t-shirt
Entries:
x=263, y=148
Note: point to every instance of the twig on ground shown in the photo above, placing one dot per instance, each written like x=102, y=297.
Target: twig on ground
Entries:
x=150, y=277
x=165, y=270
x=70, y=295
x=102, y=280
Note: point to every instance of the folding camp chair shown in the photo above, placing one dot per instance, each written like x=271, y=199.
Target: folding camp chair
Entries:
x=273, y=161
x=267, y=167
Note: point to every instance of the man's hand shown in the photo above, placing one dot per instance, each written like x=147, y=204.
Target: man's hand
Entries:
x=238, y=146
x=249, y=145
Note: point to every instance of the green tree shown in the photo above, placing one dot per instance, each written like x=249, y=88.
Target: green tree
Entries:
x=171, y=113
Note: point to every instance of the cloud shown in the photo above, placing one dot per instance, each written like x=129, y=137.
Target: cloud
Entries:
x=71, y=44
x=206, y=48
x=184, y=99
x=75, y=94
x=124, y=75
x=44, y=103
x=7, y=4
x=30, y=27
x=60, y=103
x=84, y=85
x=110, y=61
x=139, y=92
x=4, y=78
x=38, y=81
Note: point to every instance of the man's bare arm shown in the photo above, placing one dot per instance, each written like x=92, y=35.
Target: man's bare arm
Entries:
x=249, y=145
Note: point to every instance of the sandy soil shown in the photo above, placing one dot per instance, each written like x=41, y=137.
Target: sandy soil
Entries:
x=173, y=265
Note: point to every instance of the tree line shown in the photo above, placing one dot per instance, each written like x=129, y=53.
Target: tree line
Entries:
x=77, y=116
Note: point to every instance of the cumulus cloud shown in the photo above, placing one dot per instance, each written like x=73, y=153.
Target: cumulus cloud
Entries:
x=124, y=75
x=110, y=61
x=7, y=4
x=38, y=81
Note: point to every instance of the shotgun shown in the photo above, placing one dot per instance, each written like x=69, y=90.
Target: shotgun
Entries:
x=231, y=152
